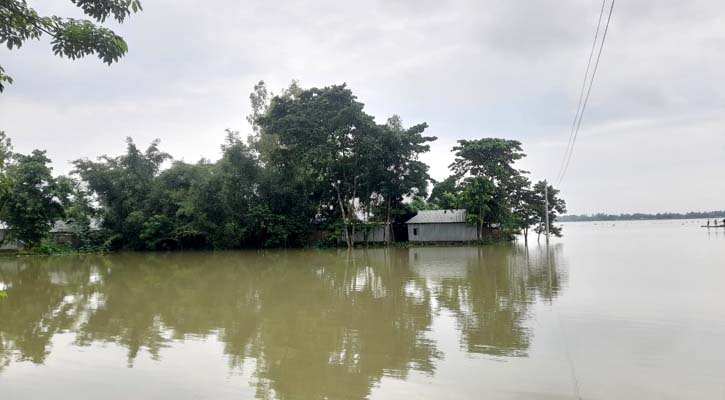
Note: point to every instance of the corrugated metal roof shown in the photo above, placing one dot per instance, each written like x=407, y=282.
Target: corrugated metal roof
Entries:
x=61, y=226
x=438, y=217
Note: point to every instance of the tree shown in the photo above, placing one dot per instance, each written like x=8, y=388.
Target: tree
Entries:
x=442, y=192
x=70, y=37
x=419, y=203
x=397, y=172
x=490, y=157
x=326, y=134
x=237, y=174
x=259, y=100
x=475, y=196
x=6, y=155
x=181, y=195
x=122, y=186
x=557, y=207
x=31, y=204
x=526, y=209
x=78, y=208
x=494, y=159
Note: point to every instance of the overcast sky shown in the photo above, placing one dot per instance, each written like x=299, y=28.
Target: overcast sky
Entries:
x=652, y=140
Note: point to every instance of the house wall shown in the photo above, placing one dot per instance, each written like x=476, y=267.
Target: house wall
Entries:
x=375, y=235
x=66, y=238
x=6, y=245
x=448, y=232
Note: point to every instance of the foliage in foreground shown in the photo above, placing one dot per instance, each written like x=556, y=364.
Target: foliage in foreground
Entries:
x=69, y=37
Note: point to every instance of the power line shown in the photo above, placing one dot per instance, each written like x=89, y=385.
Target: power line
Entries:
x=586, y=99
x=581, y=92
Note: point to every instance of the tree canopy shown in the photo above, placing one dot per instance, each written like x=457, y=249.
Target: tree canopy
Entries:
x=351, y=164
x=486, y=182
x=29, y=197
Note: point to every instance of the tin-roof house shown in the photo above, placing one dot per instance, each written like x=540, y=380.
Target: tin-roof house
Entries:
x=65, y=232
x=441, y=226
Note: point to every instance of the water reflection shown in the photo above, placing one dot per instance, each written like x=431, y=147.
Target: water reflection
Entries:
x=489, y=290
x=314, y=324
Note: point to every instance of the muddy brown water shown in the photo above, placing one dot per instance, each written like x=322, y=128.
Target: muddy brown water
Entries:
x=612, y=310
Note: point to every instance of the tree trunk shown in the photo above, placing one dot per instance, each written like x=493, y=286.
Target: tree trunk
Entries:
x=352, y=211
x=344, y=217
x=480, y=218
x=352, y=236
x=386, y=230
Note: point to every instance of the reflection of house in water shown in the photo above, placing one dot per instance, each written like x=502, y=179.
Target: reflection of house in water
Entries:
x=489, y=290
x=441, y=262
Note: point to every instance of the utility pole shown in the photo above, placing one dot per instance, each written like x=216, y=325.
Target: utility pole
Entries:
x=546, y=210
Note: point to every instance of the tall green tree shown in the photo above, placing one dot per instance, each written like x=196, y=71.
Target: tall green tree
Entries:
x=6, y=156
x=494, y=159
x=31, y=204
x=397, y=172
x=69, y=37
x=326, y=133
x=122, y=186
x=237, y=173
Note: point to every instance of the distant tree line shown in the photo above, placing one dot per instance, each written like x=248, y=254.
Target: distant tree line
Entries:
x=315, y=162
x=642, y=216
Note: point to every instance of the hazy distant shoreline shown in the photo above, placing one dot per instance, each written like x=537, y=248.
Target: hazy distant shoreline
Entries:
x=642, y=216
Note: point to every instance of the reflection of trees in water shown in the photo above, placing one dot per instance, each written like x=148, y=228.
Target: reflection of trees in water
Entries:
x=336, y=336
x=38, y=306
x=490, y=290
x=317, y=324
x=314, y=324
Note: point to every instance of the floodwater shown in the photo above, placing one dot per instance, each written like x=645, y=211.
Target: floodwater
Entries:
x=611, y=311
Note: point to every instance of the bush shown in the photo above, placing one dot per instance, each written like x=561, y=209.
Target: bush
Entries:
x=49, y=248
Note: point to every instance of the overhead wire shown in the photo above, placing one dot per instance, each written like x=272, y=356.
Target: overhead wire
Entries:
x=570, y=151
x=583, y=88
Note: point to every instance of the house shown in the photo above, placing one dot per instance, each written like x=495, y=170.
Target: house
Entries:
x=441, y=226
x=375, y=234
x=9, y=244
x=65, y=232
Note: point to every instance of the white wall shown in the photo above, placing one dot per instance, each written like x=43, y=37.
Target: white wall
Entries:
x=450, y=232
x=376, y=235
